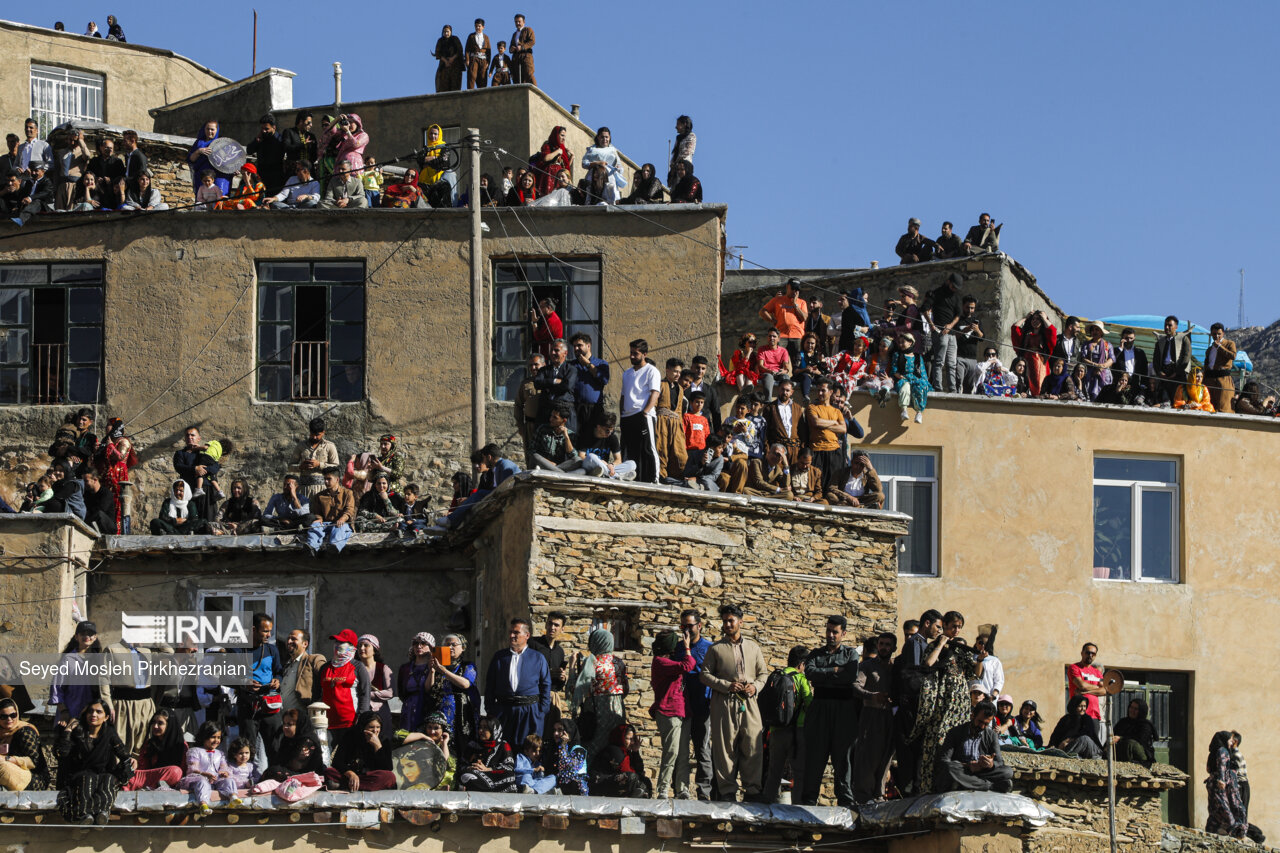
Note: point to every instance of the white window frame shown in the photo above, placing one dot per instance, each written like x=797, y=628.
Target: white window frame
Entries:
x=891, y=502
x=58, y=95
x=1137, y=488
x=239, y=593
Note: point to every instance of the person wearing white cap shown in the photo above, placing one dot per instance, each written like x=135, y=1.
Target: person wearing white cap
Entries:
x=381, y=683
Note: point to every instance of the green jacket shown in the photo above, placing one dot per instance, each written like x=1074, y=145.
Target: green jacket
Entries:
x=804, y=695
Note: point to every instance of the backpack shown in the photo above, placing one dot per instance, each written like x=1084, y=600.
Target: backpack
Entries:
x=778, y=700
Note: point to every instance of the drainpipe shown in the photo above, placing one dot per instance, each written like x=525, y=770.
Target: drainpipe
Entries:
x=337, y=87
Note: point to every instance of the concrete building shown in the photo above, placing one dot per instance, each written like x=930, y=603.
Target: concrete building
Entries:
x=229, y=308
x=62, y=76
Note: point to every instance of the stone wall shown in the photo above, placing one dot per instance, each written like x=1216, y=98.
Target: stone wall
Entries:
x=644, y=553
x=1005, y=291
x=46, y=559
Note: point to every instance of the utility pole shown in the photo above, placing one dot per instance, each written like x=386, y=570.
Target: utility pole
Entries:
x=1240, y=318
x=255, y=43
x=479, y=338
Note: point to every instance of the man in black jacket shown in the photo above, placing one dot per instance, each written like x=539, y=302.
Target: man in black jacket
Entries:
x=908, y=671
x=831, y=721
x=99, y=504
x=269, y=148
x=557, y=383
x=1172, y=358
x=31, y=196
x=1132, y=360
x=970, y=760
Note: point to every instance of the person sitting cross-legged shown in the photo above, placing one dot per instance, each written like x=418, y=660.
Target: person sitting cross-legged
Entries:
x=602, y=453
x=969, y=758
x=770, y=477
x=300, y=192
x=333, y=510
x=554, y=444
x=344, y=190
x=1077, y=733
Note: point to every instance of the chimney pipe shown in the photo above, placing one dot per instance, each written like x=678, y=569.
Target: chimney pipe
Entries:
x=337, y=86
x=574, y=109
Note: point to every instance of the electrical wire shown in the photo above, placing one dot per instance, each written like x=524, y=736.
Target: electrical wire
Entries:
x=811, y=283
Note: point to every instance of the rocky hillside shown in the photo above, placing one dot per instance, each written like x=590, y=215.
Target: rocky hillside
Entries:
x=1263, y=346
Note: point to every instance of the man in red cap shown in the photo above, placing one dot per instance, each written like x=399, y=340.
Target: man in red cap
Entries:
x=344, y=682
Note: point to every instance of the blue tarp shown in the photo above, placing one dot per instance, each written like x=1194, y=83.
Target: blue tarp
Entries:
x=1154, y=324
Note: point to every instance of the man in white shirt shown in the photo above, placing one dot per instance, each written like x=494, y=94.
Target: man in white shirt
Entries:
x=990, y=670
x=641, y=385
x=33, y=150
x=518, y=686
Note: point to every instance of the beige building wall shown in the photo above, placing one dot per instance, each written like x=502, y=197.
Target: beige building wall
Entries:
x=138, y=77
x=181, y=310
x=1015, y=545
x=45, y=559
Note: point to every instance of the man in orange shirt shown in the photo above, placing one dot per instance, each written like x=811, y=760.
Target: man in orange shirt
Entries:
x=787, y=312
x=826, y=424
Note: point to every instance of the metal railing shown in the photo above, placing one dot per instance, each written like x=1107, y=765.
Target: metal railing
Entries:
x=310, y=370
x=46, y=373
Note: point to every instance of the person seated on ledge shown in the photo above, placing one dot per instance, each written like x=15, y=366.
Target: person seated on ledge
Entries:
x=1135, y=736
x=969, y=758
x=247, y=195
x=180, y=514
x=286, y=507
x=301, y=192
x=1077, y=733
x=1193, y=395
x=913, y=247
x=143, y=196
x=983, y=237
x=688, y=189
x=647, y=189
x=344, y=190
x=333, y=511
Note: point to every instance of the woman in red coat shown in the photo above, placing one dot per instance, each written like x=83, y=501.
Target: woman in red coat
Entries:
x=1034, y=339
x=551, y=159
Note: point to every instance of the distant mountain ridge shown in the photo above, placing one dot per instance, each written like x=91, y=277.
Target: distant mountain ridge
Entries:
x=1263, y=345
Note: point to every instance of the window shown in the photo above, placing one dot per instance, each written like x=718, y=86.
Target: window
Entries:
x=517, y=285
x=51, y=333
x=63, y=94
x=311, y=331
x=911, y=485
x=1135, y=519
x=288, y=608
x=620, y=622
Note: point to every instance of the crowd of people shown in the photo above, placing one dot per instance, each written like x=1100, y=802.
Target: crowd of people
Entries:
x=548, y=718
x=114, y=31
x=301, y=167
x=484, y=65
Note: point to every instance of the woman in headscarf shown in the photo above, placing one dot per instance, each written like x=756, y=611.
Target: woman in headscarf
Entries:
x=647, y=188
x=247, y=195
x=92, y=765
x=352, y=140
x=1098, y=356
x=435, y=729
x=489, y=765
x=907, y=370
x=381, y=682
x=180, y=514
x=162, y=757
x=143, y=196
x=326, y=150
x=240, y=515
x=434, y=173
x=200, y=163
x=525, y=191
x=379, y=509
x=420, y=688
x=460, y=703
x=1226, y=806
x=1026, y=729
x=115, y=32
x=1034, y=339
x=687, y=188
x=404, y=193
x=22, y=763
x=848, y=368
x=618, y=771
x=448, y=52
x=686, y=143
x=944, y=694
x=115, y=457
x=569, y=759
x=598, y=691
x=390, y=460
x=1193, y=395
x=1135, y=736
x=362, y=760
x=1055, y=384
x=604, y=153
x=552, y=159
x=294, y=749
x=1076, y=732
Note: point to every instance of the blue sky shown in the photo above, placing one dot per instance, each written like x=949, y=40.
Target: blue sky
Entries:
x=1128, y=147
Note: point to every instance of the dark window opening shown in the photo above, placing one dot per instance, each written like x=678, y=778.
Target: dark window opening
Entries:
x=518, y=285
x=311, y=331
x=51, y=333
